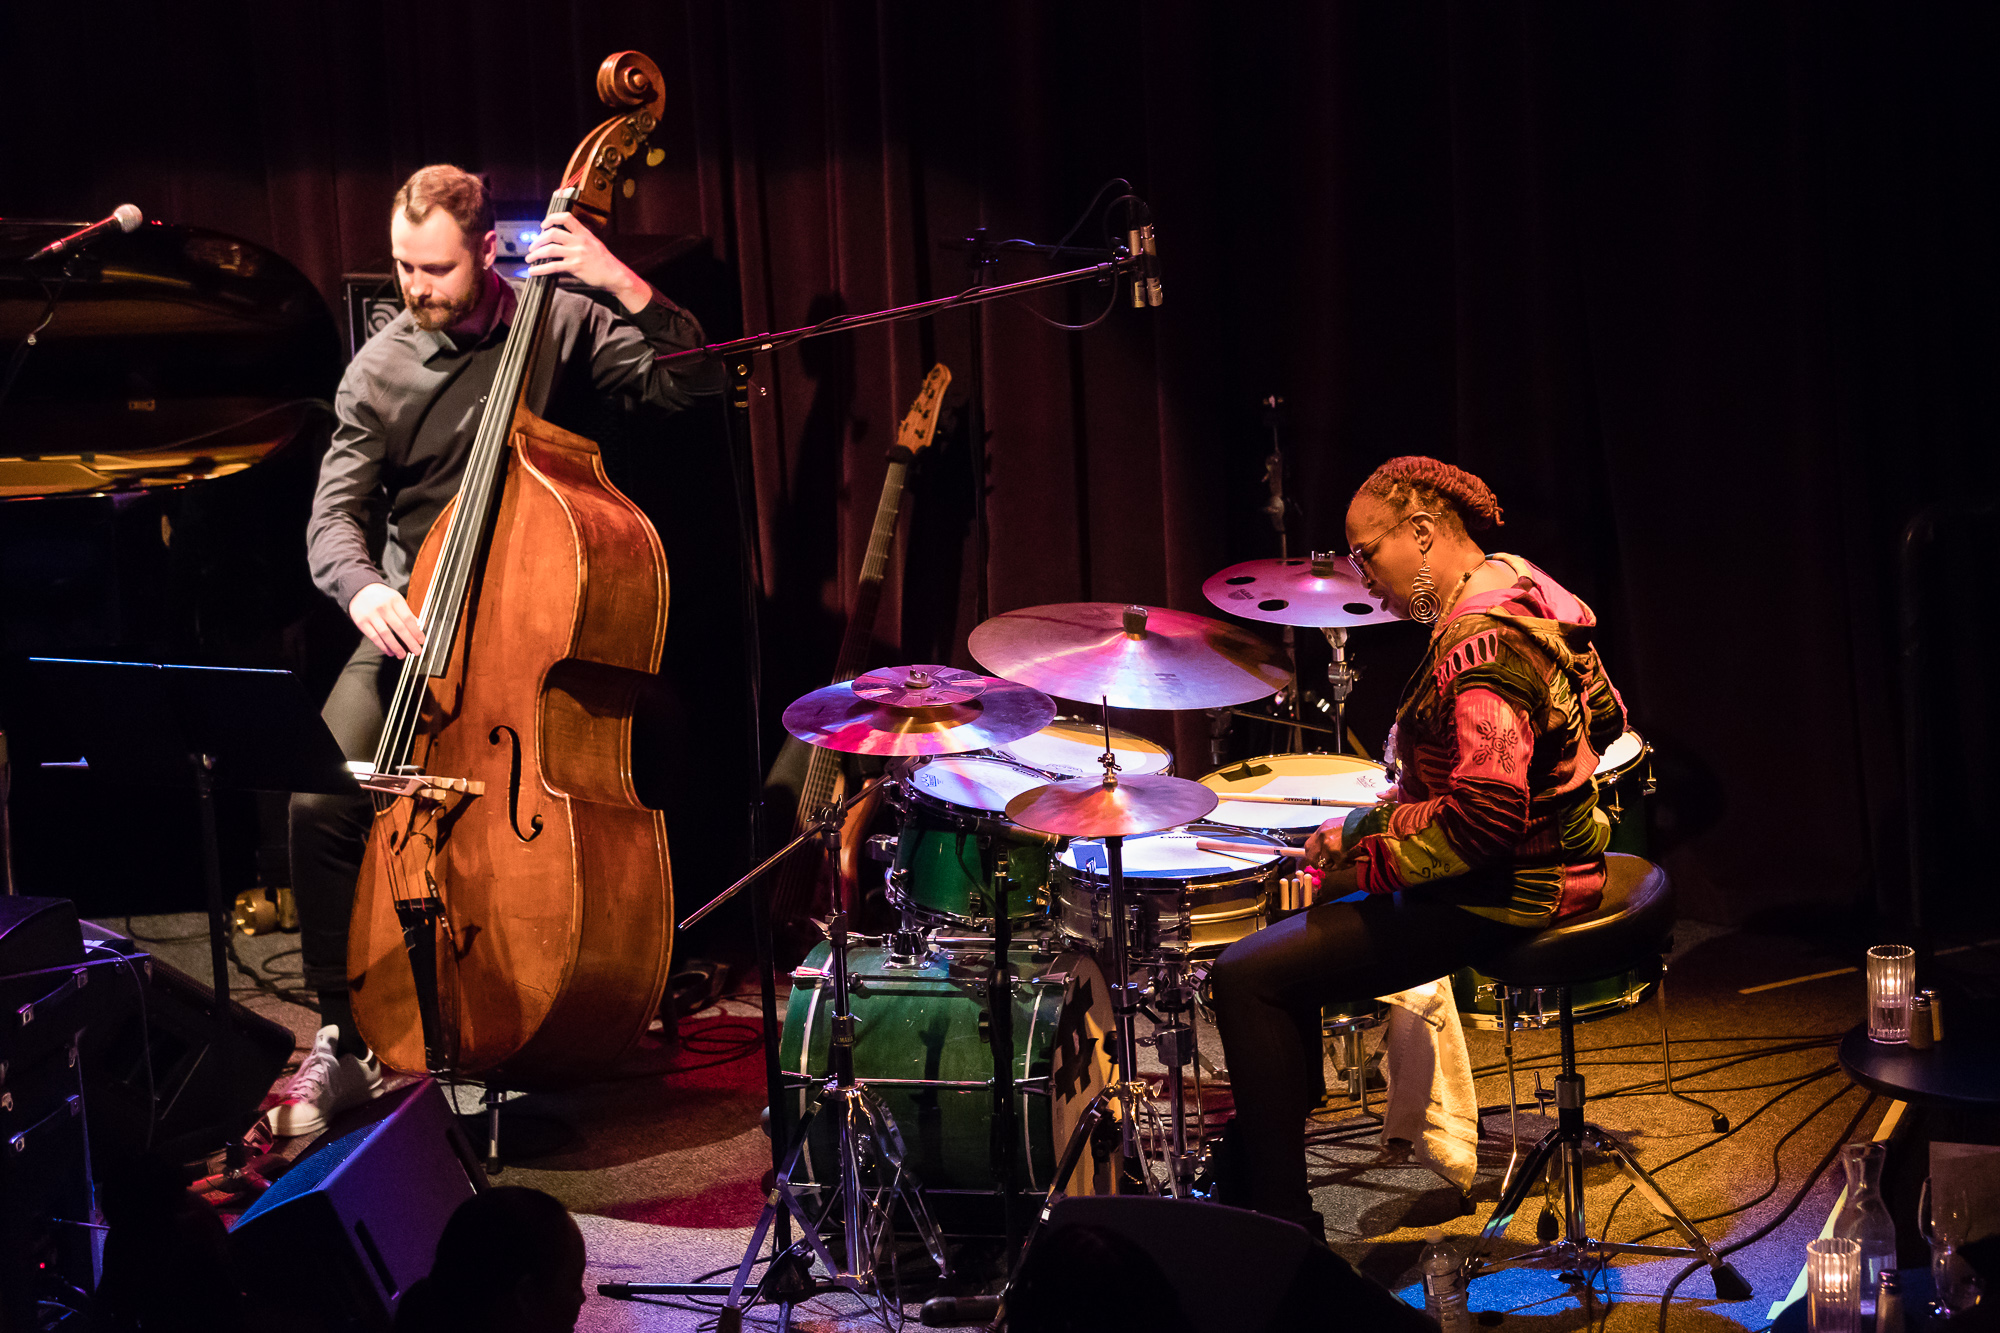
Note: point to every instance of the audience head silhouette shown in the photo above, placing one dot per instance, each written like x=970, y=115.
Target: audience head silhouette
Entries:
x=510, y=1261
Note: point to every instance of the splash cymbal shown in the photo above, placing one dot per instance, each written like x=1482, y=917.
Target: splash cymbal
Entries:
x=1321, y=591
x=918, y=710
x=1094, y=808
x=1133, y=656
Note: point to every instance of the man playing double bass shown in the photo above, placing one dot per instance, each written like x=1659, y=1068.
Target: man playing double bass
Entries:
x=408, y=409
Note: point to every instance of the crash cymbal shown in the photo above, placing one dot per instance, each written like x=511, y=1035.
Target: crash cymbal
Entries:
x=1133, y=656
x=1321, y=590
x=918, y=710
x=1094, y=808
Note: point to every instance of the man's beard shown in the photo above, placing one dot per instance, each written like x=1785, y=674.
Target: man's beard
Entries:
x=435, y=315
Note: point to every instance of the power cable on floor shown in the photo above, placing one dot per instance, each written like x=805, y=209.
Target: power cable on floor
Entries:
x=1666, y=1298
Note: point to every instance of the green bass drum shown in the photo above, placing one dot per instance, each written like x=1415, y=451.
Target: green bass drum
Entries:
x=921, y=1045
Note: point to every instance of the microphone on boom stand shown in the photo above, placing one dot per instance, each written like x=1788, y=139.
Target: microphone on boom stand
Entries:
x=125, y=217
x=1146, y=289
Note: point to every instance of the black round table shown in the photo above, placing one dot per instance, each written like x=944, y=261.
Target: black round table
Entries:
x=1962, y=1073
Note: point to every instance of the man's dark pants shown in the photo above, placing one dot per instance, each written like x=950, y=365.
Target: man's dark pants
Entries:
x=330, y=835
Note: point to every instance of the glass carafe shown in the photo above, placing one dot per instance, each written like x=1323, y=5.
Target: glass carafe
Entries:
x=1865, y=1218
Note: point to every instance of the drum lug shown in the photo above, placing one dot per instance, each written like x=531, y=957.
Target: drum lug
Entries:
x=882, y=847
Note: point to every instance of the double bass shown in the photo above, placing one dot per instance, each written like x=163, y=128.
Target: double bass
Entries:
x=514, y=913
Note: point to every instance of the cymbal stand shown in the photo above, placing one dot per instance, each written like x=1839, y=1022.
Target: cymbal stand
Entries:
x=863, y=1129
x=1124, y=990
x=1341, y=676
x=864, y=1132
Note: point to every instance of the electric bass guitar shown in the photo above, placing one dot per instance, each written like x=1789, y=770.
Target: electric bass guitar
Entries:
x=806, y=883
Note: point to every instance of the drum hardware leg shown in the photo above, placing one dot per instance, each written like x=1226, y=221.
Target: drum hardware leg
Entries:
x=855, y=1121
x=1513, y=1095
x=1716, y=1119
x=1562, y=1149
x=1000, y=1006
x=1124, y=1007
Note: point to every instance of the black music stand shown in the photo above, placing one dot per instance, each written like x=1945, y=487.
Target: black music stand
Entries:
x=212, y=728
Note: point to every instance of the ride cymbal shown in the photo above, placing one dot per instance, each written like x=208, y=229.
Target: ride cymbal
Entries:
x=1322, y=591
x=1095, y=808
x=918, y=710
x=1132, y=656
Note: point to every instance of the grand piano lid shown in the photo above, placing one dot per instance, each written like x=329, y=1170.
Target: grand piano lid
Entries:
x=176, y=354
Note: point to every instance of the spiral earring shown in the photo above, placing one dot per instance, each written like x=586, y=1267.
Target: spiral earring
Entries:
x=1424, y=595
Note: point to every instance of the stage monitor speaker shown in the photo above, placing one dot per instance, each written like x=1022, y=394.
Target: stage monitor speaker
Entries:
x=341, y=1236
x=1226, y=1268
x=372, y=300
x=149, y=1065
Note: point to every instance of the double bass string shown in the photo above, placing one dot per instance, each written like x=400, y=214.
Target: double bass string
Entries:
x=445, y=600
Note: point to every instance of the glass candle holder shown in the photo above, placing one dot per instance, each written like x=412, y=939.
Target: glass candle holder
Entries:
x=1892, y=979
x=1833, y=1285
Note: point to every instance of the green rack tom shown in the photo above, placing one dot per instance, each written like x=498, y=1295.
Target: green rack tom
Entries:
x=955, y=846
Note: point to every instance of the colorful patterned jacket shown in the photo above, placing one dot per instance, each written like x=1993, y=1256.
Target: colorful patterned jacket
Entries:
x=1494, y=752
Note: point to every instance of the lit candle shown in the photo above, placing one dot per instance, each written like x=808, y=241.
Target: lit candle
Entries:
x=1833, y=1285
x=1892, y=978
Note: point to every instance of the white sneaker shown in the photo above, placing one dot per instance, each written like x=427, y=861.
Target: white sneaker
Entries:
x=326, y=1085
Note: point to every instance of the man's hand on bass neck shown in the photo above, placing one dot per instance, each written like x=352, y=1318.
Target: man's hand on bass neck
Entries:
x=566, y=245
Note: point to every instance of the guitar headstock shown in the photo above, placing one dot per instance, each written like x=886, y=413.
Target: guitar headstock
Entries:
x=920, y=423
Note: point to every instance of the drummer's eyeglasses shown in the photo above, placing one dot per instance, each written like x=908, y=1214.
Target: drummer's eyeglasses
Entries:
x=1359, y=555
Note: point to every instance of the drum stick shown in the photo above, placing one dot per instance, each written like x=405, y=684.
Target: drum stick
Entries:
x=1249, y=851
x=1258, y=798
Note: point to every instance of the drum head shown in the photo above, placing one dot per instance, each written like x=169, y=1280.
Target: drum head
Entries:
x=1070, y=747
x=1344, y=777
x=1170, y=857
x=1620, y=756
x=983, y=783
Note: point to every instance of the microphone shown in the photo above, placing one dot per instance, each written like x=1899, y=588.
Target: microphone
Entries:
x=125, y=217
x=1146, y=277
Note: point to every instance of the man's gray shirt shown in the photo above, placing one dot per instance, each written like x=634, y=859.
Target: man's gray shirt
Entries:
x=409, y=406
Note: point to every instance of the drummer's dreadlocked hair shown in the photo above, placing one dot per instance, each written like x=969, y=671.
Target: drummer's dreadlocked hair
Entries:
x=1414, y=482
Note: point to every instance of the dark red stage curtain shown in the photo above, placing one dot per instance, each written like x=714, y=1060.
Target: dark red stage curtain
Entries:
x=1702, y=290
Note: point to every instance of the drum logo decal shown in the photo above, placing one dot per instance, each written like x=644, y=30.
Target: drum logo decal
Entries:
x=1073, y=1045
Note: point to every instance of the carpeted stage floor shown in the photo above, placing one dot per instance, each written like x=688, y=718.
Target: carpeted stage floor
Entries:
x=661, y=1166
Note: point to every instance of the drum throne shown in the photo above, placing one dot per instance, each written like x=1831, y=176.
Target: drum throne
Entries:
x=1630, y=930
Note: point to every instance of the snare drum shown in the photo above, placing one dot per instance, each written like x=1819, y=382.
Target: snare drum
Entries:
x=1478, y=997
x=1069, y=747
x=955, y=841
x=1345, y=777
x=921, y=1044
x=1624, y=781
x=1191, y=903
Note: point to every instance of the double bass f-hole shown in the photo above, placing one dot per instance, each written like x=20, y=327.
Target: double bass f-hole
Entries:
x=514, y=786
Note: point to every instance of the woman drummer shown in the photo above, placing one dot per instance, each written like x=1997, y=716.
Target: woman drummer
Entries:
x=1489, y=833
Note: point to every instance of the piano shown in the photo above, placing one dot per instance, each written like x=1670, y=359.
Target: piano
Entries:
x=158, y=450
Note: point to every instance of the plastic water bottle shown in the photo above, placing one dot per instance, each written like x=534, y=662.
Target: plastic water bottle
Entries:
x=1444, y=1285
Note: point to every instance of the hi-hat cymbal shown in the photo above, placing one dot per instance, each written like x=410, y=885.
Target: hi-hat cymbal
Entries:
x=1133, y=656
x=918, y=710
x=1094, y=808
x=1321, y=591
